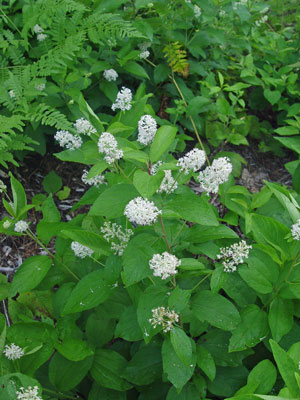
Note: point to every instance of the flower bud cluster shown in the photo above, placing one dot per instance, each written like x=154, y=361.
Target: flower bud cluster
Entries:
x=84, y=126
x=123, y=100
x=261, y=21
x=31, y=393
x=192, y=161
x=3, y=187
x=234, y=255
x=165, y=317
x=141, y=211
x=39, y=31
x=13, y=352
x=110, y=75
x=95, y=181
x=168, y=184
x=215, y=175
x=66, y=139
x=108, y=145
x=80, y=250
x=164, y=265
x=296, y=230
x=147, y=128
x=119, y=239
x=144, y=50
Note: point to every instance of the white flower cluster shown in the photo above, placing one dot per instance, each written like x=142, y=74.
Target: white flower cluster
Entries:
x=80, y=250
x=234, y=255
x=123, y=100
x=13, y=352
x=108, y=145
x=3, y=187
x=236, y=4
x=154, y=167
x=141, y=211
x=164, y=317
x=222, y=13
x=84, y=126
x=12, y=94
x=110, y=75
x=119, y=239
x=95, y=181
x=261, y=21
x=147, y=128
x=40, y=87
x=197, y=11
x=164, y=265
x=6, y=224
x=168, y=184
x=39, y=30
x=192, y=161
x=21, y=226
x=144, y=50
x=66, y=139
x=215, y=175
x=296, y=230
x=31, y=393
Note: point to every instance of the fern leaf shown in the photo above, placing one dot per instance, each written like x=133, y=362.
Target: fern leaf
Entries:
x=177, y=58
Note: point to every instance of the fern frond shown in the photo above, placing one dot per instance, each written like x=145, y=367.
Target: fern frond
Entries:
x=48, y=115
x=177, y=58
x=8, y=124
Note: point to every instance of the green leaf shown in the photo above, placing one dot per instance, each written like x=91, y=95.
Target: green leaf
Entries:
x=177, y=372
x=107, y=370
x=287, y=130
x=30, y=274
x=111, y=203
x=182, y=345
x=19, y=196
x=197, y=105
x=9, y=383
x=280, y=317
x=65, y=374
x=190, y=264
x=192, y=208
x=74, y=349
x=87, y=154
x=287, y=368
x=215, y=309
x=162, y=141
x=128, y=327
x=91, y=291
x=292, y=143
x=272, y=96
x=252, y=329
x=98, y=392
x=263, y=375
x=206, y=362
x=145, y=366
x=202, y=233
x=136, y=69
x=147, y=184
x=52, y=182
x=179, y=299
x=189, y=392
x=89, y=239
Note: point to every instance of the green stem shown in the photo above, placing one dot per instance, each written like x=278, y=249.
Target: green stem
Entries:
x=202, y=280
x=37, y=241
x=178, y=233
x=123, y=173
x=164, y=234
x=99, y=262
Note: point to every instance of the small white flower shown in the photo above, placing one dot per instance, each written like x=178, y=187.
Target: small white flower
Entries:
x=197, y=11
x=222, y=13
x=38, y=29
x=296, y=230
x=95, y=181
x=262, y=20
x=164, y=317
x=234, y=255
x=31, y=393
x=144, y=54
x=12, y=94
x=40, y=87
x=108, y=145
x=41, y=37
x=6, y=224
x=154, y=167
x=3, y=187
x=21, y=226
x=164, y=265
x=119, y=239
x=66, y=139
x=84, y=126
x=123, y=100
x=141, y=211
x=80, y=250
x=215, y=175
x=13, y=352
x=192, y=161
x=147, y=128
x=168, y=184
x=110, y=75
